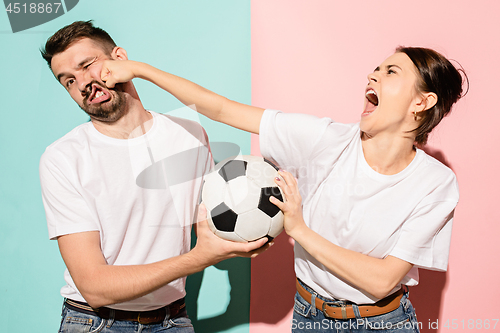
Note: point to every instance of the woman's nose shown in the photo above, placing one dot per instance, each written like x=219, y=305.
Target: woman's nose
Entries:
x=372, y=77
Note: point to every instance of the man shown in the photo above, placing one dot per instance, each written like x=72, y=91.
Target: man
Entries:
x=120, y=194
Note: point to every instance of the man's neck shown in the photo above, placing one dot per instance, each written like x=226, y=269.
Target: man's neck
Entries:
x=135, y=122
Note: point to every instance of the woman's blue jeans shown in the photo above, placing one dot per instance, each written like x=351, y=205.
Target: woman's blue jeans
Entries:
x=308, y=319
x=76, y=322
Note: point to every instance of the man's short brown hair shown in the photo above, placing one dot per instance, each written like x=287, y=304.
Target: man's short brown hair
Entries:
x=72, y=33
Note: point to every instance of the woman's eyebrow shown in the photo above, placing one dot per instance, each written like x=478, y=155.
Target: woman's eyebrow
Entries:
x=387, y=67
x=390, y=66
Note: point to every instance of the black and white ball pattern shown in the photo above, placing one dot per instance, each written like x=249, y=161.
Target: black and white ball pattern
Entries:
x=236, y=195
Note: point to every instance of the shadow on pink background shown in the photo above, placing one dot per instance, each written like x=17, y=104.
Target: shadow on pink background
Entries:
x=313, y=57
x=273, y=290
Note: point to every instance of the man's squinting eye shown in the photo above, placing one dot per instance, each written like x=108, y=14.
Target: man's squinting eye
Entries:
x=90, y=63
x=390, y=71
x=69, y=82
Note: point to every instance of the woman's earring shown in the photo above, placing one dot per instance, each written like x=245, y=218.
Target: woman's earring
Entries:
x=415, y=114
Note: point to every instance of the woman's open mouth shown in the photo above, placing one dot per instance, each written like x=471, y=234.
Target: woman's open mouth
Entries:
x=371, y=101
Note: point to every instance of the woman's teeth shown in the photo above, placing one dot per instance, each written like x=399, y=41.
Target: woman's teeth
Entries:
x=372, y=97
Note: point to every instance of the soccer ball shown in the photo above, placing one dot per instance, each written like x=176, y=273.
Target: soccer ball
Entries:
x=236, y=195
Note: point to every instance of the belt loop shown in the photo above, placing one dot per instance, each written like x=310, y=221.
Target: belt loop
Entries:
x=167, y=316
x=406, y=290
x=313, y=304
x=355, y=308
x=111, y=319
x=344, y=312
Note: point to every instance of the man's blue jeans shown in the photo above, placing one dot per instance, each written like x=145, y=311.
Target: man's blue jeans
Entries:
x=76, y=322
x=307, y=318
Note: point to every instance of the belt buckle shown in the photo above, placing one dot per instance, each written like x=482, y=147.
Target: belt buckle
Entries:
x=342, y=307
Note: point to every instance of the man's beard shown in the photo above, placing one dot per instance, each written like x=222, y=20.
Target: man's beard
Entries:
x=108, y=111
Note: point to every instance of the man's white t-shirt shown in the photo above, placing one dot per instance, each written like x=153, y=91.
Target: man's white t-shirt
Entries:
x=407, y=215
x=141, y=194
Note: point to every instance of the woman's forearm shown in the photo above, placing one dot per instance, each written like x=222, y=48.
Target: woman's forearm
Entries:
x=376, y=276
x=204, y=101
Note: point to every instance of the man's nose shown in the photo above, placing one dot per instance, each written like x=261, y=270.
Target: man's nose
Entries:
x=84, y=79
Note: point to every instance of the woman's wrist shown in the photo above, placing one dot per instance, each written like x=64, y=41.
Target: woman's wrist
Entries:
x=299, y=230
x=144, y=71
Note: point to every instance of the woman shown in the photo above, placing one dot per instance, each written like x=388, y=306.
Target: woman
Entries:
x=368, y=207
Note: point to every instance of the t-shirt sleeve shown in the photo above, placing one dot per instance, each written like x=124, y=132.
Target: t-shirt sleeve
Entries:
x=426, y=235
x=66, y=210
x=291, y=140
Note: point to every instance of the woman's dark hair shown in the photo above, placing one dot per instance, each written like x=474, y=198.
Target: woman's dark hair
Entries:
x=439, y=76
x=74, y=32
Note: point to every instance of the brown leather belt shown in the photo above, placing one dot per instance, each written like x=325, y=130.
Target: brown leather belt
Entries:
x=341, y=310
x=142, y=317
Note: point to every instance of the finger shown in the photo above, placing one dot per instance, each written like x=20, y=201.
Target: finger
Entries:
x=285, y=188
x=278, y=180
x=260, y=250
x=105, y=74
x=288, y=177
x=256, y=252
x=110, y=83
x=105, y=71
x=107, y=77
x=202, y=212
x=282, y=184
x=195, y=226
x=281, y=177
x=243, y=249
x=277, y=202
x=200, y=225
x=254, y=245
x=291, y=188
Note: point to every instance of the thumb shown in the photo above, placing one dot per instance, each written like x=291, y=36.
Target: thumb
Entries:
x=109, y=80
x=107, y=77
x=202, y=212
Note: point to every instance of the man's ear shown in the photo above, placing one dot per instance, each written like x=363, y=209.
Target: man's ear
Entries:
x=427, y=101
x=119, y=53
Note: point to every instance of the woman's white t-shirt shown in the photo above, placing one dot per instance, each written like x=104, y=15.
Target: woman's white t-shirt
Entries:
x=407, y=215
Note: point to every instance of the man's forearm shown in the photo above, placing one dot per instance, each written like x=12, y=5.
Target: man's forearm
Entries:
x=110, y=284
x=102, y=284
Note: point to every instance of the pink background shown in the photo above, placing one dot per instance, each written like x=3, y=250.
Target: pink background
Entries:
x=314, y=56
